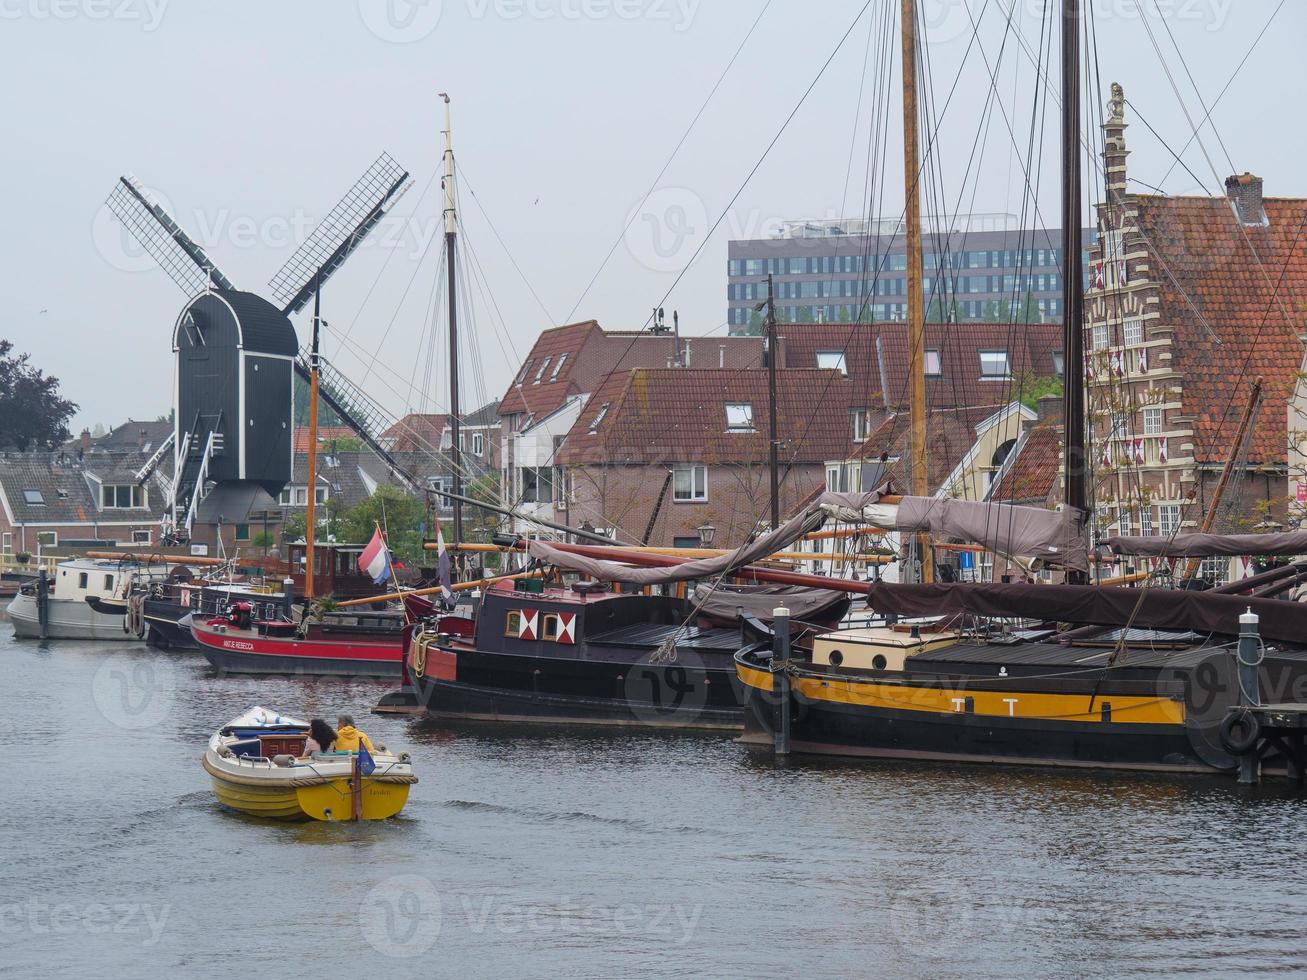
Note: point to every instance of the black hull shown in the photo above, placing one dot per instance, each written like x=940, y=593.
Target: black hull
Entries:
x=166, y=632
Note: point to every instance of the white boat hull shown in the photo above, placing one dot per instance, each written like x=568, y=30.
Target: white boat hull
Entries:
x=68, y=620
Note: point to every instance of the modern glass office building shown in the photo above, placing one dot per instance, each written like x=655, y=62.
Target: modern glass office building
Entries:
x=843, y=271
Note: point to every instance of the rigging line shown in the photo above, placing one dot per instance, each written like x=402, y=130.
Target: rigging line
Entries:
x=1228, y=82
x=1261, y=267
x=1207, y=113
x=462, y=179
x=675, y=150
x=1167, y=146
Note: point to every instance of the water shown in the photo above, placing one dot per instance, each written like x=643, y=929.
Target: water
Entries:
x=526, y=852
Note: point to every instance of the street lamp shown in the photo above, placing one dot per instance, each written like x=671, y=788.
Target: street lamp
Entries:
x=706, y=532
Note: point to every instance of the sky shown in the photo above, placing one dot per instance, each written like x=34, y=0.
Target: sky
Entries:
x=617, y=141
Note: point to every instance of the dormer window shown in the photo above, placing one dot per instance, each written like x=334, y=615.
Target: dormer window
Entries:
x=558, y=366
x=833, y=360
x=125, y=496
x=994, y=365
x=544, y=366
x=739, y=417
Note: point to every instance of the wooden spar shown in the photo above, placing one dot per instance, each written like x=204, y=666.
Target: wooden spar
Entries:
x=1125, y=579
x=155, y=558
x=696, y=553
x=916, y=294
x=1254, y=396
x=310, y=517
x=456, y=587
x=842, y=532
x=451, y=237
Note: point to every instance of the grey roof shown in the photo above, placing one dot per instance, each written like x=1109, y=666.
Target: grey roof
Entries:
x=233, y=503
x=264, y=328
x=349, y=473
x=66, y=486
x=143, y=437
x=487, y=414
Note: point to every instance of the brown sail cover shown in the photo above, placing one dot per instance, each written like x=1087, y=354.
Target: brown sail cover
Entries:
x=613, y=571
x=1196, y=545
x=1172, y=609
x=760, y=601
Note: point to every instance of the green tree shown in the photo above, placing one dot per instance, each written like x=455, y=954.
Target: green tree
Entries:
x=1036, y=387
x=326, y=416
x=993, y=312
x=805, y=315
x=754, y=328
x=397, y=512
x=1028, y=312
x=32, y=415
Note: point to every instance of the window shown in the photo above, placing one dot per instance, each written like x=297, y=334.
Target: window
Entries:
x=33, y=497
x=934, y=366
x=141, y=537
x=1100, y=337
x=6, y=543
x=319, y=495
x=540, y=373
x=558, y=366
x=1146, y=521
x=47, y=539
x=121, y=496
x=739, y=417
x=993, y=364
x=1133, y=332
x=478, y=444
x=83, y=579
x=833, y=479
x=242, y=532
x=1152, y=421
x=513, y=625
x=861, y=421
x=603, y=410
x=549, y=628
x=1168, y=519
x=689, y=483
x=108, y=583
x=833, y=359
x=1059, y=363
x=526, y=369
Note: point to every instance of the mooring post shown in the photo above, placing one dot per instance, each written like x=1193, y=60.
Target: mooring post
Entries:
x=781, y=677
x=1250, y=695
x=288, y=598
x=43, y=602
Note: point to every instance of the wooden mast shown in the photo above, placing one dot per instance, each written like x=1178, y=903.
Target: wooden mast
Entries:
x=1075, y=492
x=451, y=237
x=916, y=296
x=310, y=520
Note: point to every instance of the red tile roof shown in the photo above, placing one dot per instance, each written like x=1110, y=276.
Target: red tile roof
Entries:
x=950, y=434
x=325, y=434
x=662, y=415
x=1237, y=307
x=1032, y=474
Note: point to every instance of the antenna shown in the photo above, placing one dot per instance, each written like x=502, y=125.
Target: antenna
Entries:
x=156, y=232
x=339, y=234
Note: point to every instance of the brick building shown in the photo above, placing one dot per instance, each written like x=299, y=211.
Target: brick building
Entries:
x=1190, y=300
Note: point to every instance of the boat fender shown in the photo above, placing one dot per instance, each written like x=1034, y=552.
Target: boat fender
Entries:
x=284, y=761
x=405, y=758
x=1240, y=731
x=379, y=746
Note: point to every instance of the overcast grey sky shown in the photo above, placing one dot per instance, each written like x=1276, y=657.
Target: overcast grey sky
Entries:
x=250, y=119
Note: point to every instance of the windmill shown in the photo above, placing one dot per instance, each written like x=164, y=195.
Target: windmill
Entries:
x=237, y=354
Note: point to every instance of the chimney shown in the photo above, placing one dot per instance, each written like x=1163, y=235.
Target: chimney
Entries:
x=86, y=440
x=1245, y=193
x=1114, y=151
x=1048, y=408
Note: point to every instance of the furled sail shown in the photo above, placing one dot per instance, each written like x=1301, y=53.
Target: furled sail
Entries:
x=1198, y=545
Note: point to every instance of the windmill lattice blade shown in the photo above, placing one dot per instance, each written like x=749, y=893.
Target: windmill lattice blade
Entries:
x=156, y=232
x=340, y=232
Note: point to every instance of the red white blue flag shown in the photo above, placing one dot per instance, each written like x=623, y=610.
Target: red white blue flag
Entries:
x=375, y=560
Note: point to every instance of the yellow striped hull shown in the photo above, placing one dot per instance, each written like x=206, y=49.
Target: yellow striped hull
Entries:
x=326, y=801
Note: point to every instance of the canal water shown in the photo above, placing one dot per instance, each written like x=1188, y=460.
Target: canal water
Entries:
x=531, y=852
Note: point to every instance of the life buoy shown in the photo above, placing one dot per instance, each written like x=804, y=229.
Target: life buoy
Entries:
x=1240, y=730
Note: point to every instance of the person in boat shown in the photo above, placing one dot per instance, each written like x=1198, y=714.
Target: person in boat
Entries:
x=348, y=738
x=321, y=738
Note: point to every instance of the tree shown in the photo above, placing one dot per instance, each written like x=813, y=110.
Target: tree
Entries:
x=32, y=414
x=754, y=329
x=1035, y=387
x=805, y=315
x=1028, y=312
x=325, y=414
x=993, y=312
x=400, y=514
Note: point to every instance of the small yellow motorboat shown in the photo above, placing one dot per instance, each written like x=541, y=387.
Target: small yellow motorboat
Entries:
x=257, y=766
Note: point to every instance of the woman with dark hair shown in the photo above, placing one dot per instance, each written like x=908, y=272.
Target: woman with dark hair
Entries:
x=321, y=737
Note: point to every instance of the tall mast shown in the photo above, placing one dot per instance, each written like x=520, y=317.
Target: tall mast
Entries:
x=1073, y=294
x=916, y=298
x=773, y=447
x=310, y=521
x=451, y=236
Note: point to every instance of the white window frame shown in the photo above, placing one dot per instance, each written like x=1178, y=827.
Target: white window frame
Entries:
x=834, y=361
x=478, y=444
x=1168, y=519
x=52, y=535
x=937, y=369
x=321, y=494
x=860, y=420
x=1100, y=337
x=1152, y=421
x=1132, y=331
x=1146, y=522
x=540, y=371
x=138, y=539
x=526, y=369
x=739, y=417
x=697, y=476
x=558, y=366
x=1004, y=375
x=6, y=543
x=136, y=496
x=603, y=410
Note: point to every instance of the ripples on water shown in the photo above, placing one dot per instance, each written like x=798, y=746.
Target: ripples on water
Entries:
x=542, y=852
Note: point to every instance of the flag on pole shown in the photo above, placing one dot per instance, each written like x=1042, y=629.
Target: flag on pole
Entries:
x=442, y=563
x=375, y=560
x=367, y=766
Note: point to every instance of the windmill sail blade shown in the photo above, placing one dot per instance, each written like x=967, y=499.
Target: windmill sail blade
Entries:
x=156, y=232
x=342, y=231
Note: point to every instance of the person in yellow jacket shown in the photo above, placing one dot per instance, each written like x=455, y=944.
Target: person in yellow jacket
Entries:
x=348, y=737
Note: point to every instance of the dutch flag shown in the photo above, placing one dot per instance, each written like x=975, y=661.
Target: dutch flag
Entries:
x=375, y=560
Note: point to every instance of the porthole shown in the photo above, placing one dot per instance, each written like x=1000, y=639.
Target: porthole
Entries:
x=879, y=662
x=836, y=658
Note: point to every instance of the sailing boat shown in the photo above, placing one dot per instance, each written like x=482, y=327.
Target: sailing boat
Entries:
x=1145, y=679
